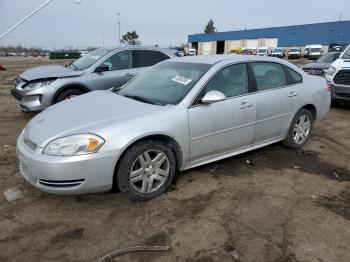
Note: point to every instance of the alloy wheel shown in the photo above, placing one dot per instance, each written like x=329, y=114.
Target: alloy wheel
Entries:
x=301, y=129
x=149, y=171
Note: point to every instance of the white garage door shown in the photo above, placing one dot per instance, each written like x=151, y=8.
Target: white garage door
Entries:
x=271, y=42
x=252, y=43
x=207, y=48
x=235, y=44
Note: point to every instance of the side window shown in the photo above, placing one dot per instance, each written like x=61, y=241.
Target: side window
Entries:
x=293, y=77
x=269, y=75
x=119, y=61
x=144, y=58
x=231, y=81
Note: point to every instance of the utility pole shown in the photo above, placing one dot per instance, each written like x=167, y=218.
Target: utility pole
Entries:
x=120, y=40
x=103, y=39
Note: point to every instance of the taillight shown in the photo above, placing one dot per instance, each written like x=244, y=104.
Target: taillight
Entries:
x=328, y=87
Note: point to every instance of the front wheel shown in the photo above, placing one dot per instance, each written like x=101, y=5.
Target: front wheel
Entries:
x=67, y=94
x=146, y=170
x=300, y=129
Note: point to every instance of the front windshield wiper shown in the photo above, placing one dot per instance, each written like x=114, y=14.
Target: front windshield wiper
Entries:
x=140, y=98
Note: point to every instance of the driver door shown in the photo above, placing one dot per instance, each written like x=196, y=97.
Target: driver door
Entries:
x=224, y=126
x=120, y=71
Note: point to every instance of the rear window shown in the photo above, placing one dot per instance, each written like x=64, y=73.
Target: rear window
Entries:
x=293, y=76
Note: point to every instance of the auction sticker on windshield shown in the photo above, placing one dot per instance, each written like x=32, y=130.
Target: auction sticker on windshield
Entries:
x=182, y=80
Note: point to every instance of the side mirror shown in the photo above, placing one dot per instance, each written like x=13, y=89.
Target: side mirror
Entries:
x=101, y=68
x=212, y=97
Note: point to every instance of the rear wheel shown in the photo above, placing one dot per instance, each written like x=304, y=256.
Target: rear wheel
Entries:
x=67, y=94
x=300, y=129
x=146, y=170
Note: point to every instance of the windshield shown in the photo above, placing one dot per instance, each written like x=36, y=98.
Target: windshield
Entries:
x=263, y=51
x=277, y=50
x=165, y=83
x=315, y=50
x=88, y=60
x=294, y=50
x=346, y=55
x=328, y=58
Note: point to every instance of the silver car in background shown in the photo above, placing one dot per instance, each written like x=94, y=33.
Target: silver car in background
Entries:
x=179, y=114
x=101, y=69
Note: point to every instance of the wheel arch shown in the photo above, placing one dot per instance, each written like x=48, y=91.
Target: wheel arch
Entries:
x=312, y=109
x=165, y=138
x=78, y=86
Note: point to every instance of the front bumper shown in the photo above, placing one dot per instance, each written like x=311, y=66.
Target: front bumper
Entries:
x=340, y=92
x=31, y=100
x=293, y=55
x=66, y=175
x=315, y=56
x=277, y=55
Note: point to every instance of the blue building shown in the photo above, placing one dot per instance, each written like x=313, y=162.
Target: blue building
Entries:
x=285, y=36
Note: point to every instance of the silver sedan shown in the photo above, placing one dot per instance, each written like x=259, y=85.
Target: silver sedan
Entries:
x=179, y=114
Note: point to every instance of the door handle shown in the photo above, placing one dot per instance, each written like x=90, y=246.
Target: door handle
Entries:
x=292, y=94
x=129, y=74
x=245, y=105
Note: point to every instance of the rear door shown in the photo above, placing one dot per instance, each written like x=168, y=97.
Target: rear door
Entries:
x=275, y=100
x=223, y=126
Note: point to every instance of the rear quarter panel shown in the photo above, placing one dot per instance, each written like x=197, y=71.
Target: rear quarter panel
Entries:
x=315, y=92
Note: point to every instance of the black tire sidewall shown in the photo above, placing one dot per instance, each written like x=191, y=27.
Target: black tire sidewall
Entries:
x=289, y=141
x=66, y=93
x=123, y=173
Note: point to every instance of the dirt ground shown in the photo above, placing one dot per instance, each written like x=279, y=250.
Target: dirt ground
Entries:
x=283, y=206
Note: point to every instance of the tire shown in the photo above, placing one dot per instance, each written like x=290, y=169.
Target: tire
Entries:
x=147, y=173
x=67, y=94
x=292, y=138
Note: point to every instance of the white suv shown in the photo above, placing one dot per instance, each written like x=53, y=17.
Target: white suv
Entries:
x=338, y=77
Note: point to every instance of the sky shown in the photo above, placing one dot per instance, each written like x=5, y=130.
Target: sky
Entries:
x=65, y=23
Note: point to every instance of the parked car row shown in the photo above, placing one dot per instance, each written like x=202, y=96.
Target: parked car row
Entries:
x=335, y=67
x=179, y=114
x=311, y=52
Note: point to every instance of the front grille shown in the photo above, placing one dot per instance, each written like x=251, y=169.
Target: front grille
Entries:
x=16, y=94
x=318, y=72
x=29, y=143
x=61, y=183
x=342, y=77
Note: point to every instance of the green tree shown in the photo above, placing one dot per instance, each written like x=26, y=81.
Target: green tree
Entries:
x=130, y=38
x=210, y=28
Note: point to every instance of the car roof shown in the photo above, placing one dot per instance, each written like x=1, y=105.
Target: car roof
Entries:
x=232, y=58
x=139, y=47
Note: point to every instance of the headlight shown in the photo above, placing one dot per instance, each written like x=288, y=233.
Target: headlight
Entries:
x=40, y=84
x=331, y=71
x=74, y=145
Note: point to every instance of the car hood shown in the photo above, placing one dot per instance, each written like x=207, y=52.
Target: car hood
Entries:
x=341, y=63
x=316, y=66
x=49, y=71
x=85, y=114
